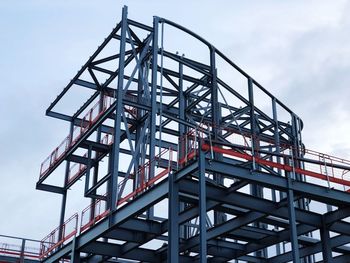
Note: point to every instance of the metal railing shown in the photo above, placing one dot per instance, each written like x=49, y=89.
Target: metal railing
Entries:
x=77, y=169
x=143, y=177
x=88, y=120
x=19, y=248
x=58, y=236
x=93, y=213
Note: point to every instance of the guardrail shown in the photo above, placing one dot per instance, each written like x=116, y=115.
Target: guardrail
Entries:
x=87, y=121
x=58, y=236
x=309, y=163
x=287, y=164
x=319, y=166
x=98, y=210
x=19, y=248
x=93, y=213
x=77, y=169
x=143, y=178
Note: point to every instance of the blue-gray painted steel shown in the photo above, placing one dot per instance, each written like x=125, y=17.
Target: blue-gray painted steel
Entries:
x=202, y=209
x=117, y=125
x=210, y=218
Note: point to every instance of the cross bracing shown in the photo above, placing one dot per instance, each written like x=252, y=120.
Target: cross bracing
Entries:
x=184, y=157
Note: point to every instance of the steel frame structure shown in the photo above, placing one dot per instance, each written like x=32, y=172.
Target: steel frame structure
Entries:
x=170, y=129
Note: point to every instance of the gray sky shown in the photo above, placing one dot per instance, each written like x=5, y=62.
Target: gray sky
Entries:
x=298, y=50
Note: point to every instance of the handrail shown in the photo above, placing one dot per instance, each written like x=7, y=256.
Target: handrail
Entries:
x=14, y=250
x=312, y=163
x=100, y=211
x=143, y=176
x=67, y=230
x=77, y=169
x=87, y=121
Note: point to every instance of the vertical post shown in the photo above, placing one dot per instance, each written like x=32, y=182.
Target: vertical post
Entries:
x=296, y=153
x=276, y=133
x=216, y=120
x=112, y=193
x=152, y=135
x=96, y=164
x=253, y=126
x=88, y=167
x=75, y=255
x=182, y=131
x=23, y=245
x=202, y=208
x=215, y=109
x=296, y=139
x=277, y=146
x=255, y=190
x=64, y=194
x=173, y=238
x=87, y=182
x=137, y=181
x=292, y=222
x=182, y=113
x=326, y=248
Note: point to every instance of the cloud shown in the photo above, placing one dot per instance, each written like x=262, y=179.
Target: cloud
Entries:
x=301, y=53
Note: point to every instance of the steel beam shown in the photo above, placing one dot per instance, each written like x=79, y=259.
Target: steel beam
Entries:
x=202, y=210
x=312, y=191
x=112, y=191
x=173, y=211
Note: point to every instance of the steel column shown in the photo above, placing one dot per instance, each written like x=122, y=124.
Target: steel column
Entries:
x=255, y=190
x=154, y=108
x=173, y=211
x=292, y=223
x=23, y=245
x=75, y=254
x=66, y=175
x=202, y=209
x=325, y=238
x=113, y=186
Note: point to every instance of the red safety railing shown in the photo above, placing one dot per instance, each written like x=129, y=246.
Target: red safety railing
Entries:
x=287, y=164
x=142, y=175
x=189, y=143
x=77, y=169
x=13, y=250
x=131, y=112
x=96, y=211
x=320, y=166
x=55, y=156
x=68, y=230
x=334, y=169
x=87, y=121
x=93, y=213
